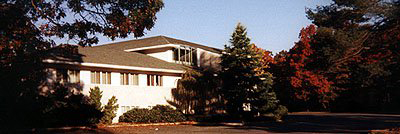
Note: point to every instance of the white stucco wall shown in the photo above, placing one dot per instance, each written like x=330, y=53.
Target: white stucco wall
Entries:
x=142, y=96
x=202, y=55
x=165, y=55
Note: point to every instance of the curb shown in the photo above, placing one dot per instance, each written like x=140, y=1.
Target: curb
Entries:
x=166, y=124
x=130, y=125
x=145, y=124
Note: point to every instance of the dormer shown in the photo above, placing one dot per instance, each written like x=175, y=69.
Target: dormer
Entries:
x=175, y=51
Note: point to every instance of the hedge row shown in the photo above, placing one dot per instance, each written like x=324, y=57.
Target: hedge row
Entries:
x=157, y=114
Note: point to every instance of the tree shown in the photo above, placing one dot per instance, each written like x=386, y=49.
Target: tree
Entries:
x=95, y=95
x=302, y=86
x=197, y=92
x=243, y=74
x=109, y=111
x=27, y=30
x=356, y=44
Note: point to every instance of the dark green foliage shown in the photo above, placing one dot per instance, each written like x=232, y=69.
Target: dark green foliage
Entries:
x=95, y=95
x=108, y=111
x=244, y=78
x=357, y=47
x=73, y=111
x=279, y=112
x=157, y=114
x=27, y=28
x=197, y=92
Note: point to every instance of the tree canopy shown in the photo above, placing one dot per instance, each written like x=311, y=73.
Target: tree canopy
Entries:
x=27, y=32
x=244, y=76
x=354, y=49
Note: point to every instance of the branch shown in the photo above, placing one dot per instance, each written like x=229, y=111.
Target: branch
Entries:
x=356, y=51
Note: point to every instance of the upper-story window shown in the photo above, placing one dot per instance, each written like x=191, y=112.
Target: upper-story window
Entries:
x=97, y=76
x=154, y=80
x=185, y=55
x=73, y=76
x=129, y=79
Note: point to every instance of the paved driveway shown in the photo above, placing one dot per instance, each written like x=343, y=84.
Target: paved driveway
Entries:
x=295, y=123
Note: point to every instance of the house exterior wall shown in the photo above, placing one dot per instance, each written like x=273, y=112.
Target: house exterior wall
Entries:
x=141, y=96
x=205, y=59
x=164, y=55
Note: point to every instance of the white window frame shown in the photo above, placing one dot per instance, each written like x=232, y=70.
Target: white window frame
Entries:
x=187, y=58
x=129, y=79
x=100, y=77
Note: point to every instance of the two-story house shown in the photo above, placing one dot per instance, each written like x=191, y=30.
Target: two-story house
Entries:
x=140, y=73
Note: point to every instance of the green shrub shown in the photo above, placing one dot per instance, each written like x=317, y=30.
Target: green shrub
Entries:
x=108, y=110
x=157, y=114
x=95, y=96
x=280, y=112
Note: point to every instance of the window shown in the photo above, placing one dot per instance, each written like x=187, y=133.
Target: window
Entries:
x=129, y=79
x=73, y=76
x=106, y=78
x=154, y=80
x=125, y=109
x=185, y=55
x=95, y=77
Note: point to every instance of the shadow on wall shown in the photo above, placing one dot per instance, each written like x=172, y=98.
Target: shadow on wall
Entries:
x=34, y=95
x=209, y=62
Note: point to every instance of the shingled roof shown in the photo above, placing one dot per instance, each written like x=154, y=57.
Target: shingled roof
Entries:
x=115, y=57
x=114, y=53
x=154, y=41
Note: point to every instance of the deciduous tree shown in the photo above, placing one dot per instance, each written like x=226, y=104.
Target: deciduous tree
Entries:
x=27, y=30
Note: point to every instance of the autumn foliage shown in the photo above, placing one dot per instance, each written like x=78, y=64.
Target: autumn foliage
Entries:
x=297, y=80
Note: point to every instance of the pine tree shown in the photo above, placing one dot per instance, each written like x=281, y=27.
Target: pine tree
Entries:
x=95, y=96
x=244, y=78
x=109, y=110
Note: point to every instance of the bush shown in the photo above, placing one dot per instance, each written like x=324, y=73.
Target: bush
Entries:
x=280, y=112
x=157, y=114
x=108, y=110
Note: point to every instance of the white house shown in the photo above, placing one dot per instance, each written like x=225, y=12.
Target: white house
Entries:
x=140, y=73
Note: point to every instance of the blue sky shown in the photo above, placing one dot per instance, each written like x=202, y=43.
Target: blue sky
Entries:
x=272, y=24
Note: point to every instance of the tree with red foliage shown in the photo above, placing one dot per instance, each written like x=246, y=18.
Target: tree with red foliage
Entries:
x=297, y=84
x=357, y=48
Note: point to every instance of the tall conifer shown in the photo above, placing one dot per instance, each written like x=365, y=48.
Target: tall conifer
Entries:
x=245, y=81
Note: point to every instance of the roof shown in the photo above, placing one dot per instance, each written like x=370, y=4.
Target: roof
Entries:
x=154, y=41
x=115, y=57
x=103, y=55
x=114, y=54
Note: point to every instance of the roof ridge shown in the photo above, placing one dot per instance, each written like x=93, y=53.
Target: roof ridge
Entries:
x=165, y=39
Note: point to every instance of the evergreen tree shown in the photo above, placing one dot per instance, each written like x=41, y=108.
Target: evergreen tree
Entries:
x=95, y=96
x=245, y=81
x=108, y=111
x=356, y=47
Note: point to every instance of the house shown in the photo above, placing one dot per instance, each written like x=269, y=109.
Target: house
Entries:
x=140, y=73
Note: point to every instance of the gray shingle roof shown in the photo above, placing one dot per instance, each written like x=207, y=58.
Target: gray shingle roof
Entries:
x=114, y=53
x=115, y=57
x=154, y=41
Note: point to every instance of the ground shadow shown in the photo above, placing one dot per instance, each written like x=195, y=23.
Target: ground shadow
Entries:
x=327, y=123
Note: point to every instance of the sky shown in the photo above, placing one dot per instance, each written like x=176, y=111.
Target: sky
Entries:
x=271, y=24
